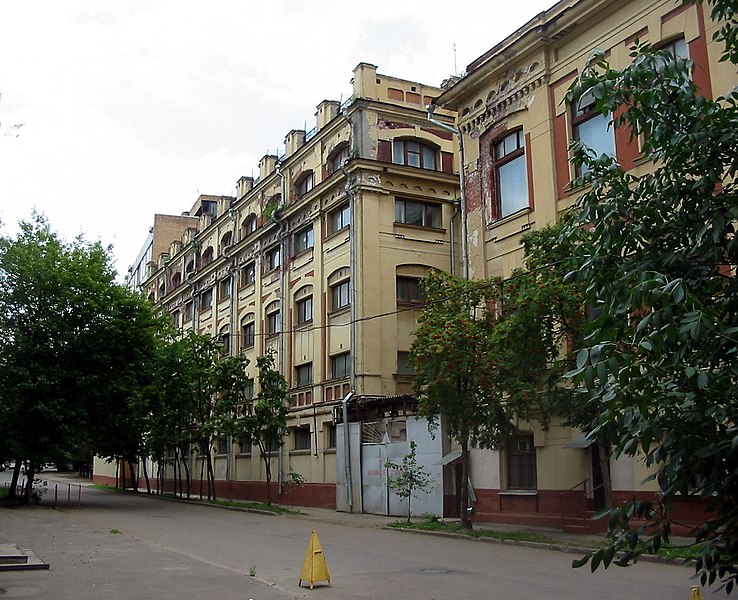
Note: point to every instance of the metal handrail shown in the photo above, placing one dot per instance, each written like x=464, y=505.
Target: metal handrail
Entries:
x=565, y=492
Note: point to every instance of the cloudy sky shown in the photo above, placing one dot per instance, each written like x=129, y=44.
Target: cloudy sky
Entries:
x=113, y=110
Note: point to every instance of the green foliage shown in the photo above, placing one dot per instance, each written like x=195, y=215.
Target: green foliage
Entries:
x=74, y=348
x=411, y=478
x=660, y=370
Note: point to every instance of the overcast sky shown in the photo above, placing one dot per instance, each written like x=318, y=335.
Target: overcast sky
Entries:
x=113, y=110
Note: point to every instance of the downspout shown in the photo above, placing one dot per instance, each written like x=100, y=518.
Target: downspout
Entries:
x=347, y=450
x=231, y=323
x=282, y=312
x=464, y=240
x=352, y=331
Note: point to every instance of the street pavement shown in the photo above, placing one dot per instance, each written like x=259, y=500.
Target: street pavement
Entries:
x=123, y=546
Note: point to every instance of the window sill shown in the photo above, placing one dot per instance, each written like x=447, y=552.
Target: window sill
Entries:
x=329, y=451
x=420, y=227
x=301, y=452
x=338, y=311
x=338, y=232
x=518, y=492
x=512, y=217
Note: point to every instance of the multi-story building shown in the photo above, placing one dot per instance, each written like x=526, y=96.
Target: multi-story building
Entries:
x=319, y=260
x=515, y=129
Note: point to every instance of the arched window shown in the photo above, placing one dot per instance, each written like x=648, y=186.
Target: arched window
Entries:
x=248, y=331
x=248, y=226
x=207, y=256
x=273, y=319
x=304, y=305
x=337, y=157
x=304, y=184
x=414, y=153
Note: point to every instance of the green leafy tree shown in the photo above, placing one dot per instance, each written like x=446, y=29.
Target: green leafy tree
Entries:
x=264, y=419
x=658, y=253
x=59, y=308
x=411, y=478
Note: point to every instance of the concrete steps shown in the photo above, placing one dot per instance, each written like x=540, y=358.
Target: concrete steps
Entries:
x=13, y=558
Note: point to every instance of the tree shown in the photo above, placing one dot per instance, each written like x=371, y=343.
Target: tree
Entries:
x=488, y=352
x=264, y=419
x=411, y=478
x=64, y=328
x=657, y=254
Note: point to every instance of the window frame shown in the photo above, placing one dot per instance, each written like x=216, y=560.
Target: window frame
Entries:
x=248, y=334
x=272, y=256
x=582, y=114
x=273, y=323
x=340, y=218
x=305, y=184
x=402, y=153
x=247, y=275
x=206, y=305
x=427, y=221
x=304, y=310
x=501, y=158
x=338, y=290
x=411, y=284
x=521, y=466
x=304, y=375
x=225, y=288
x=345, y=371
x=303, y=240
x=304, y=436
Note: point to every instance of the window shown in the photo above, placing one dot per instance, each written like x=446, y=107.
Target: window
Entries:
x=521, y=463
x=225, y=241
x=190, y=268
x=304, y=310
x=592, y=129
x=302, y=240
x=244, y=447
x=225, y=340
x=271, y=259
x=176, y=280
x=335, y=161
x=206, y=299
x=207, y=256
x=188, y=311
x=341, y=365
x=304, y=184
x=413, y=154
x=414, y=212
x=176, y=319
x=222, y=447
x=330, y=435
x=274, y=323
x=403, y=364
x=248, y=334
x=272, y=444
x=224, y=290
x=340, y=295
x=409, y=291
x=248, y=274
x=302, y=438
x=304, y=374
x=510, y=173
x=248, y=226
x=340, y=218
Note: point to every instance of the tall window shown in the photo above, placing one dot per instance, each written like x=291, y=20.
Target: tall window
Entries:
x=302, y=240
x=340, y=295
x=248, y=226
x=304, y=308
x=413, y=154
x=409, y=291
x=248, y=334
x=340, y=218
x=188, y=311
x=302, y=438
x=273, y=320
x=207, y=256
x=340, y=365
x=415, y=212
x=335, y=161
x=592, y=129
x=176, y=318
x=206, y=299
x=225, y=340
x=521, y=463
x=304, y=374
x=403, y=364
x=248, y=274
x=271, y=259
x=304, y=184
x=224, y=290
x=511, y=176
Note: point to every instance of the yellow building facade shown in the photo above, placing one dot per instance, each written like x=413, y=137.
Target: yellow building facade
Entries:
x=515, y=129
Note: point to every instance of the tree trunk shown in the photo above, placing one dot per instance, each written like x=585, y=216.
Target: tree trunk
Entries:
x=134, y=474
x=211, y=476
x=188, y=472
x=122, y=469
x=30, y=475
x=117, y=473
x=13, y=492
x=606, y=481
x=465, y=513
x=146, y=476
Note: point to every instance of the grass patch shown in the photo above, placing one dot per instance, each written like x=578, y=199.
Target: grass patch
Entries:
x=115, y=531
x=4, y=492
x=435, y=524
x=109, y=488
x=690, y=551
x=273, y=508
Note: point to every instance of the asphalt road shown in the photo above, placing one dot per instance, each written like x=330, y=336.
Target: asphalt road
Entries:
x=167, y=550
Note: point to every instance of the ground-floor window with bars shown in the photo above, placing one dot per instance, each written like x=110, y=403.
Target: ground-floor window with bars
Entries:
x=521, y=463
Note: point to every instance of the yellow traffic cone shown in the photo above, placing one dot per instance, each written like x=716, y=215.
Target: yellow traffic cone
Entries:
x=314, y=568
x=695, y=594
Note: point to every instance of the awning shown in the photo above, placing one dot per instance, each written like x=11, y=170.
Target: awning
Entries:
x=449, y=458
x=581, y=441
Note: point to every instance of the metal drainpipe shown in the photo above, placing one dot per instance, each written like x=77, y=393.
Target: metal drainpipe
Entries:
x=353, y=243
x=282, y=312
x=347, y=451
x=464, y=241
x=231, y=325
